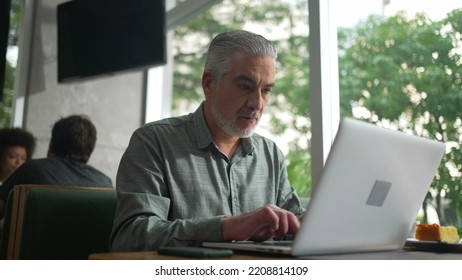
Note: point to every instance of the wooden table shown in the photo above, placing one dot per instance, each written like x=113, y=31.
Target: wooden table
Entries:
x=152, y=255
x=240, y=255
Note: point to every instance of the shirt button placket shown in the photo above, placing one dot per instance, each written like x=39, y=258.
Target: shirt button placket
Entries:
x=234, y=193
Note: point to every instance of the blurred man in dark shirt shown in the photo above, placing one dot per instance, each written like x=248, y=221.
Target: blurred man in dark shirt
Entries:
x=72, y=141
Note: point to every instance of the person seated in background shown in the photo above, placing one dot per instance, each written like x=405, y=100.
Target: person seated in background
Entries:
x=16, y=147
x=72, y=141
x=206, y=176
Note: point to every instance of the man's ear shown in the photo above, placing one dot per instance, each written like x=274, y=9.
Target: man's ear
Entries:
x=208, y=83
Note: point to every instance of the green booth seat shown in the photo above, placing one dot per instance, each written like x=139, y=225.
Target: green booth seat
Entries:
x=57, y=222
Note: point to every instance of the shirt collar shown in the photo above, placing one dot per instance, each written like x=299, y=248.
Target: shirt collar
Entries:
x=204, y=137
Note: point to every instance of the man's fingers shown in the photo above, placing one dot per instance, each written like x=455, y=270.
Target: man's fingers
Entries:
x=281, y=221
x=261, y=224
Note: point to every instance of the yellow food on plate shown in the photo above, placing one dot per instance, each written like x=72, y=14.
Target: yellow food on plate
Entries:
x=435, y=232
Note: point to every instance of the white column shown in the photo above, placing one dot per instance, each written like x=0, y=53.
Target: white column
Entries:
x=324, y=110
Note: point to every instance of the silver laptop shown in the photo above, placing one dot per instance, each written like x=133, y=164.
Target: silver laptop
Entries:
x=369, y=194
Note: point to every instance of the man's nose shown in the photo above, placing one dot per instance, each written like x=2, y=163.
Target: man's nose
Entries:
x=256, y=100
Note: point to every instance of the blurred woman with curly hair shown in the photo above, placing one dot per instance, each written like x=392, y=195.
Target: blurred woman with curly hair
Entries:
x=16, y=147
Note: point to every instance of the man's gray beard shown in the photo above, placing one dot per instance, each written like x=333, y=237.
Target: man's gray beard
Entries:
x=228, y=125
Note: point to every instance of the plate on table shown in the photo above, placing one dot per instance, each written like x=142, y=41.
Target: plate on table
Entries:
x=433, y=246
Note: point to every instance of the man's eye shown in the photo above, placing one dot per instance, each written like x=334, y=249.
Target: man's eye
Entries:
x=244, y=86
x=267, y=90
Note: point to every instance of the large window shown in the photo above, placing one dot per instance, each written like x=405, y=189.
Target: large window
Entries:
x=400, y=66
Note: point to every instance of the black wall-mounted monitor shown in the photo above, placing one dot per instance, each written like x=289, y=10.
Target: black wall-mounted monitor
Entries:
x=104, y=37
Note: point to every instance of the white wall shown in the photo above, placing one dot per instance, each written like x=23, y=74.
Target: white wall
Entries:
x=114, y=104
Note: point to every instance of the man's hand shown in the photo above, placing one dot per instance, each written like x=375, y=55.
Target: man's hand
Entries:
x=260, y=224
